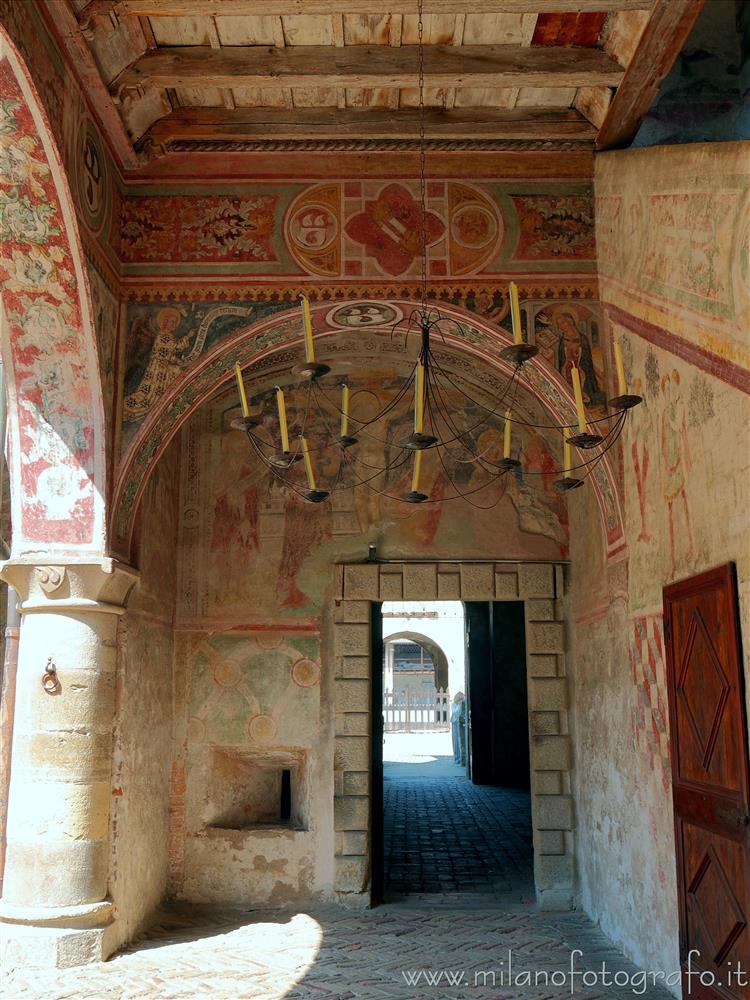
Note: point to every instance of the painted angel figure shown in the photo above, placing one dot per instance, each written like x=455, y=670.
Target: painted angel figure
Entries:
x=165, y=359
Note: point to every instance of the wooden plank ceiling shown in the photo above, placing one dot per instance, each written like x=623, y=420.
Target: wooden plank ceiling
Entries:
x=248, y=74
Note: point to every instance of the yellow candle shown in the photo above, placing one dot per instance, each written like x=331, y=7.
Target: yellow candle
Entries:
x=506, y=444
x=582, y=425
x=622, y=384
x=515, y=313
x=344, y=410
x=282, y=420
x=241, y=387
x=308, y=463
x=309, y=349
x=419, y=400
x=415, y=474
x=568, y=462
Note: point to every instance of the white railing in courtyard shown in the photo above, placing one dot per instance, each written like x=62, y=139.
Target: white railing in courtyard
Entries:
x=414, y=711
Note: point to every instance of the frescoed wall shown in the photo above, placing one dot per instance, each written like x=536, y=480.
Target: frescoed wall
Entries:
x=358, y=229
x=256, y=566
x=180, y=351
x=672, y=234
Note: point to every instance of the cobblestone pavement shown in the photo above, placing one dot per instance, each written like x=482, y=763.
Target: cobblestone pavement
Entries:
x=445, y=835
x=396, y=951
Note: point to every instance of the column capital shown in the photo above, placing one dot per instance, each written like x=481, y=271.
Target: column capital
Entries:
x=67, y=585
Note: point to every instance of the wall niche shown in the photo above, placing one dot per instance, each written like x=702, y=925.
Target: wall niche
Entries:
x=256, y=789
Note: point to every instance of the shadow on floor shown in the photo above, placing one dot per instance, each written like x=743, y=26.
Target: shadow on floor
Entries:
x=331, y=953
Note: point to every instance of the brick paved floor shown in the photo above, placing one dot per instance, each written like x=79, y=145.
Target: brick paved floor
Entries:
x=445, y=835
x=397, y=951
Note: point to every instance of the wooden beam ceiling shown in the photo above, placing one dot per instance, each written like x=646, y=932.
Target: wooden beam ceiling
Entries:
x=664, y=35
x=271, y=8
x=370, y=66
x=253, y=124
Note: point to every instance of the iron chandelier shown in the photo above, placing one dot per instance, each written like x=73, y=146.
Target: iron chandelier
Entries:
x=447, y=421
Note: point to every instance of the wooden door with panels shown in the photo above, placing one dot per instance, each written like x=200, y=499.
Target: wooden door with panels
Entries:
x=710, y=783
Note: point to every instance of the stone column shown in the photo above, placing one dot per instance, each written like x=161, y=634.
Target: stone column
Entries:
x=55, y=907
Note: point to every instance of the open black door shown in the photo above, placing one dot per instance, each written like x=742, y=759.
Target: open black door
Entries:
x=498, y=705
x=511, y=763
x=479, y=691
x=377, y=861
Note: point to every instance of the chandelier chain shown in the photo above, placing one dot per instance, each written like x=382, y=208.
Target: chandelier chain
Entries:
x=422, y=158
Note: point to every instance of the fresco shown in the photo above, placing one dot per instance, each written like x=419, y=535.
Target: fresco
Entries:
x=684, y=245
x=670, y=455
x=42, y=61
x=357, y=229
x=253, y=690
x=162, y=341
x=165, y=339
x=106, y=309
x=672, y=235
x=193, y=228
x=276, y=344
x=553, y=227
x=59, y=448
x=255, y=551
x=568, y=335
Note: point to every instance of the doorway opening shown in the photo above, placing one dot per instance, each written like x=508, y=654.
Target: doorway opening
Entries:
x=454, y=751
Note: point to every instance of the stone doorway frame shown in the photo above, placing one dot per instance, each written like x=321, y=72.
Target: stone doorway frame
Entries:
x=541, y=587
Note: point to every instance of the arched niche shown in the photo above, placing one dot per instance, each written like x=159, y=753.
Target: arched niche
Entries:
x=56, y=449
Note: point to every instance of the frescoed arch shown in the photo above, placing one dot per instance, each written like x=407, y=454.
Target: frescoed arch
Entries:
x=276, y=342
x=55, y=415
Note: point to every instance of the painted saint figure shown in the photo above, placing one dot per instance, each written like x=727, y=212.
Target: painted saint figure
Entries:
x=676, y=459
x=165, y=361
x=574, y=350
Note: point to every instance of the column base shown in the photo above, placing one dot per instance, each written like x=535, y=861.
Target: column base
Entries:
x=32, y=947
x=53, y=937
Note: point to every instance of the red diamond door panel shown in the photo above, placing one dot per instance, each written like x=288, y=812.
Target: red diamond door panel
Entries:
x=710, y=783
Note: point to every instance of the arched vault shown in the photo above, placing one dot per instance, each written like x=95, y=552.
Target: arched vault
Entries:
x=268, y=349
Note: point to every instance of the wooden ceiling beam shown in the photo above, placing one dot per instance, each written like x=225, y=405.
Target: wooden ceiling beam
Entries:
x=249, y=124
x=370, y=66
x=218, y=8
x=64, y=28
x=662, y=39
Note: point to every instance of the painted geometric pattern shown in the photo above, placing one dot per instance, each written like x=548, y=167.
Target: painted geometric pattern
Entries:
x=651, y=720
x=356, y=228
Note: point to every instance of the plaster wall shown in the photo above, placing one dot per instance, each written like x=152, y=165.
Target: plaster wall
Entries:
x=672, y=236
x=139, y=827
